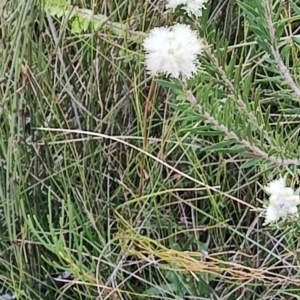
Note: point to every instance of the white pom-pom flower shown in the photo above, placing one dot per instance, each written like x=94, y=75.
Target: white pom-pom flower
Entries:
x=271, y=214
x=283, y=202
x=174, y=3
x=173, y=51
x=192, y=7
x=275, y=186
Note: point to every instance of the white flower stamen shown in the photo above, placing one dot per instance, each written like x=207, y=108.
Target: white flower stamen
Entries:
x=283, y=201
x=192, y=7
x=173, y=51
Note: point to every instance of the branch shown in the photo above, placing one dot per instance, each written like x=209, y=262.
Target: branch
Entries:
x=284, y=71
x=254, y=149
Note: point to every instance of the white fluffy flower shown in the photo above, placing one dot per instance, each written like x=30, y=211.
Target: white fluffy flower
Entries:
x=173, y=51
x=271, y=214
x=192, y=7
x=174, y=3
x=275, y=186
x=283, y=201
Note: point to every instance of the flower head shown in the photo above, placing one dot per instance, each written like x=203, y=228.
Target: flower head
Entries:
x=271, y=214
x=192, y=7
x=173, y=51
x=275, y=186
x=283, y=201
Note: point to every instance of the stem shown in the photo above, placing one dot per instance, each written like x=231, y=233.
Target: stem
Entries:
x=149, y=101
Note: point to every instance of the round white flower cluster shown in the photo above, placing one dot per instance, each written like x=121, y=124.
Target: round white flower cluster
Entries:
x=173, y=51
x=283, y=201
x=192, y=7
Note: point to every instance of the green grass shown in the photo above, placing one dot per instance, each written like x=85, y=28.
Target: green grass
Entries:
x=118, y=179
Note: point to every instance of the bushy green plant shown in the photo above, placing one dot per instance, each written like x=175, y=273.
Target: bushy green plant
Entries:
x=141, y=186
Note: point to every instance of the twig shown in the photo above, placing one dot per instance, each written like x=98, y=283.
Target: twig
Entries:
x=284, y=71
x=254, y=149
x=145, y=133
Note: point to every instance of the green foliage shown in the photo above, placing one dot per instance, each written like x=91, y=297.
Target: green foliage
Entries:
x=144, y=201
x=83, y=20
